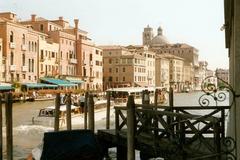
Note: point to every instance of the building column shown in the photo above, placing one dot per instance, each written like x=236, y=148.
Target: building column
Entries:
x=234, y=125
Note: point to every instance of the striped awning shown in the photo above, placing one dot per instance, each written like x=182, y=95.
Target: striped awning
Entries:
x=39, y=85
x=59, y=82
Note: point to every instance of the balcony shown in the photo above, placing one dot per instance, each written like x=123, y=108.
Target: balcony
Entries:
x=12, y=45
x=12, y=68
x=24, y=47
x=73, y=61
x=24, y=68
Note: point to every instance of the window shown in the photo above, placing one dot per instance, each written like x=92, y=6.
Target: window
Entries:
x=116, y=79
x=53, y=54
x=11, y=36
x=110, y=61
x=23, y=39
x=29, y=46
x=42, y=55
x=33, y=65
x=0, y=48
x=110, y=70
x=124, y=69
x=41, y=27
x=35, y=45
x=110, y=79
x=50, y=27
x=29, y=65
x=29, y=77
x=123, y=79
x=11, y=58
x=18, y=77
x=23, y=59
x=91, y=57
x=24, y=76
x=41, y=67
x=32, y=46
x=116, y=70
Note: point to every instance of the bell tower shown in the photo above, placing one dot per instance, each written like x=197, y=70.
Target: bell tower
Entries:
x=147, y=35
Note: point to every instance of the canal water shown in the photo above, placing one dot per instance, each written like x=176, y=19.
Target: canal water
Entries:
x=26, y=135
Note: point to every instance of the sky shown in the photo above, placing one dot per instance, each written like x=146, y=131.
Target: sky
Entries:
x=121, y=22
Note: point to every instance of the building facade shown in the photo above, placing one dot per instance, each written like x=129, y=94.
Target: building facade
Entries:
x=222, y=74
x=39, y=47
x=160, y=45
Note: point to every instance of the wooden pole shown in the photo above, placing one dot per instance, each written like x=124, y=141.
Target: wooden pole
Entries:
x=169, y=119
x=91, y=113
x=69, y=123
x=85, y=110
x=108, y=111
x=57, y=112
x=1, y=125
x=9, y=133
x=130, y=128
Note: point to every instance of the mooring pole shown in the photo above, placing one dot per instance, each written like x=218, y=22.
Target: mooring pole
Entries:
x=108, y=111
x=91, y=113
x=9, y=132
x=1, y=125
x=57, y=112
x=85, y=110
x=69, y=123
x=131, y=128
x=169, y=119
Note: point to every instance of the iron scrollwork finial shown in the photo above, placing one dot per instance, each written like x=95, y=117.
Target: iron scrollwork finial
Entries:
x=215, y=94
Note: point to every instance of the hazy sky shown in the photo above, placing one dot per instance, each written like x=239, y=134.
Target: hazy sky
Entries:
x=195, y=22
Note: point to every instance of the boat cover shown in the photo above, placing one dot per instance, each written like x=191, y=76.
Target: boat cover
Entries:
x=70, y=145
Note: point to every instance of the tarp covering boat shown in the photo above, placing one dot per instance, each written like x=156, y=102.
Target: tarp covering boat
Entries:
x=71, y=145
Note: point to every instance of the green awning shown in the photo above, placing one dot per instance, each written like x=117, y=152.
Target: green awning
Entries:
x=5, y=88
x=39, y=85
x=59, y=82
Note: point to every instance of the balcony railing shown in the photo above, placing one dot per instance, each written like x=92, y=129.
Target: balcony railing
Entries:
x=24, y=68
x=12, y=68
x=24, y=47
x=12, y=45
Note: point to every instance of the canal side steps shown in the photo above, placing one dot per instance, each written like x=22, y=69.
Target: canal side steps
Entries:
x=185, y=136
x=71, y=145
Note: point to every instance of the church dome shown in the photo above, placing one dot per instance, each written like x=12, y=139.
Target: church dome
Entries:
x=160, y=39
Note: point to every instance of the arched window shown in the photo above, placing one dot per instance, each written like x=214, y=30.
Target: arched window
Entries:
x=23, y=59
x=35, y=45
x=32, y=65
x=32, y=46
x=11, y=58
x=23, y=39
x=29, y=46
x=29, y=65
x=11, y=36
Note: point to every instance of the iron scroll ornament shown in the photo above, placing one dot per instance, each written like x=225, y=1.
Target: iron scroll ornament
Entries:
x=216, y=94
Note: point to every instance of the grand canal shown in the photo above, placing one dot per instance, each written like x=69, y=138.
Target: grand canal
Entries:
x=27, y=135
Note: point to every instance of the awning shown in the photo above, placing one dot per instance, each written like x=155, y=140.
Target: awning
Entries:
x=5, y=88
x=74, y=80
x=59, y=82
x=39, y=85
x=141, y=84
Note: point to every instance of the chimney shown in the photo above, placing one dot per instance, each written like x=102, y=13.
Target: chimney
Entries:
x=76, y=23
x=60, y=18
x=33, y=17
